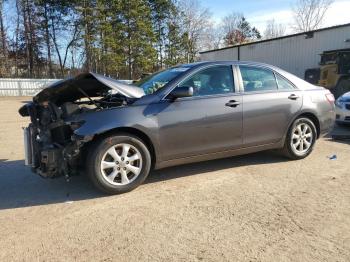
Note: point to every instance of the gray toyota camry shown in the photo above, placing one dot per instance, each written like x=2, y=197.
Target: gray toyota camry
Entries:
x=117, y=133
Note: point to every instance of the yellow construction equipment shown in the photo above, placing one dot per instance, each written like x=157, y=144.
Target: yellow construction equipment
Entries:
x=334, y=72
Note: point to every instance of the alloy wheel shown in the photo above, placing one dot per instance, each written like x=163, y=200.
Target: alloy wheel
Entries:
x=121, y=164
x=302, y=138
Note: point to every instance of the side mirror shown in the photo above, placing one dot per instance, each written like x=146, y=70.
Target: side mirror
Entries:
x=181, y=91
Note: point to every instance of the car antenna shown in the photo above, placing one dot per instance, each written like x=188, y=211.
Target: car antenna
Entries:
x=88, y=97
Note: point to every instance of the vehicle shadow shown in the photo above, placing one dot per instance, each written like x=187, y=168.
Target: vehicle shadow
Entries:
x=267, y=157
x=20, y=188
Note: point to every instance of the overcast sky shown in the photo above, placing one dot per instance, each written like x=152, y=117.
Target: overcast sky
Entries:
x=259, y=11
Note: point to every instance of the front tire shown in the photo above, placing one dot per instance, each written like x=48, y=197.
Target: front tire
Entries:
x=300, y=139
x=118, y=163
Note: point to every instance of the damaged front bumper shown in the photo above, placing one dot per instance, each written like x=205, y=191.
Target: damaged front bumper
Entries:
x=52, y=160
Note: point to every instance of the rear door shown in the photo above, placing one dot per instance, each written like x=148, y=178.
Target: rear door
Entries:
x=270, y=101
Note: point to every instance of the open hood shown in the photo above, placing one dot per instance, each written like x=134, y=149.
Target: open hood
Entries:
x=92, y=84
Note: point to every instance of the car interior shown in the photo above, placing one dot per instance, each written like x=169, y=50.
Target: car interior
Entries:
x=211, y=81
x=256, y=79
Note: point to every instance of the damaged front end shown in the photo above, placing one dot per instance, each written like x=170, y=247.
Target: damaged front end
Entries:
x=52, y=149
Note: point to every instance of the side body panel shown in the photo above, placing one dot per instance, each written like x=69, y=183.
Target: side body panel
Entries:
x=267, y=115
x=315, y=101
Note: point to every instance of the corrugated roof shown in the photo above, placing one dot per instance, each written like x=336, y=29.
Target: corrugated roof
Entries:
x=277, y=38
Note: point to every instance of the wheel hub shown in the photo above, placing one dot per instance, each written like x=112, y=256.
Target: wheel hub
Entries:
x=121, y=164
x=302, y=138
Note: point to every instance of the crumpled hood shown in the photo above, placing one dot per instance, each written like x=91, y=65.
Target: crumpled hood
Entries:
x=92, y=84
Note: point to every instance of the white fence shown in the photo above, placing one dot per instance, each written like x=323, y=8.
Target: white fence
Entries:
x=23, y=87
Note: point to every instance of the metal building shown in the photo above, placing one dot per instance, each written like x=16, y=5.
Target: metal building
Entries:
x=293, y=53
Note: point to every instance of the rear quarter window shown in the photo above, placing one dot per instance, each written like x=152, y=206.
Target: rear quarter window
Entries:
x=284, y=84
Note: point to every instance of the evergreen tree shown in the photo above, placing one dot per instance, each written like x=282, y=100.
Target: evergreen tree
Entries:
x=176, y=40
x=122, y=39
x=161, y=11
x=138, y=37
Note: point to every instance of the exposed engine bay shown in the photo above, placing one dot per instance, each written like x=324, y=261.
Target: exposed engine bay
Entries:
x=51, y=147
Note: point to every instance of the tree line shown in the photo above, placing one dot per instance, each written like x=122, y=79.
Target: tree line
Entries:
x=122, y=39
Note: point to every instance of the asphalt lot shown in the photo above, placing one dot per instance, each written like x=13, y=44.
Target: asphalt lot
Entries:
x=258, y=207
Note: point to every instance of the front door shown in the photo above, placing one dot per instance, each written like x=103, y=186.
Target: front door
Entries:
x=209, y=121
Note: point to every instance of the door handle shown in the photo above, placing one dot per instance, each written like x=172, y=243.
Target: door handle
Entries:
x=293, y=97
x=232, y=103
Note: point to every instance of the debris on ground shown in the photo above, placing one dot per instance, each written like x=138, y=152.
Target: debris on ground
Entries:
x=333, y=157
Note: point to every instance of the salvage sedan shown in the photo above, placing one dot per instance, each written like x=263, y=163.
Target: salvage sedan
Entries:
x=117, y=133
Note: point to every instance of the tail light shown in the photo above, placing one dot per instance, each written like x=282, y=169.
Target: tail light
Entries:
x=330, y=98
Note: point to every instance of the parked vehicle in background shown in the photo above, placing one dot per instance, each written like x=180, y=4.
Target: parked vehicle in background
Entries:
x=342, y=109
x=184, y=114
x=334, y=73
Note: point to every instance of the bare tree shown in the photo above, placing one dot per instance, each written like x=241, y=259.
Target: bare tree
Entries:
x=17, y=36
x=46, y=27
x=195, y=22
x=230, y=23
x=309, y=14
x=2, y=30
x=3, y=43
x=29, y=35
x=273, y=29
x=212, y=37
x=63, y=59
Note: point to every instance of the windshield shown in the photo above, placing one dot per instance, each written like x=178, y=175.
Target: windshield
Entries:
x=156, y=81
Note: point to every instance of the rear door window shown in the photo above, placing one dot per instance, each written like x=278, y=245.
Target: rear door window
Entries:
x=257, y=79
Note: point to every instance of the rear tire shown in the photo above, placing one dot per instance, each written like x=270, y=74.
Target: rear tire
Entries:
x=300, y=140
x=118, y=163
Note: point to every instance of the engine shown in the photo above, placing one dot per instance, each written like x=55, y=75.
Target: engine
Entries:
x=47, y=137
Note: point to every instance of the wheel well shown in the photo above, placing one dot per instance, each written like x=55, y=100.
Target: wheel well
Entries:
x=314, y=120
x=135, y=132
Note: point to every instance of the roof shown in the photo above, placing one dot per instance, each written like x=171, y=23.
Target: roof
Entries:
x=232, y=62
x=189, y=64
x=336, y=50
x=278, y=38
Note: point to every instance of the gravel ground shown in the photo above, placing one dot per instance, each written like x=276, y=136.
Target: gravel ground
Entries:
x=257, y=207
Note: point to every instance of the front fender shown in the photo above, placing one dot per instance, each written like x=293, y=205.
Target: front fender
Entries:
x=99, y=122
